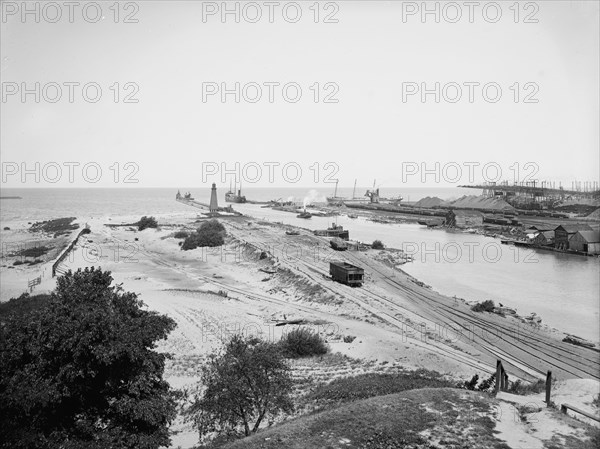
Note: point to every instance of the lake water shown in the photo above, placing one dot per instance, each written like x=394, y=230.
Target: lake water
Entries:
x=563, y=289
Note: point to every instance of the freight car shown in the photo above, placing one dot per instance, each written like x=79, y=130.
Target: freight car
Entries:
x=346, y=273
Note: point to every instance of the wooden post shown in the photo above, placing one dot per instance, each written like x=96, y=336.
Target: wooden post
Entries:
x=505, y=386
x=498, y=375
x=548, y=387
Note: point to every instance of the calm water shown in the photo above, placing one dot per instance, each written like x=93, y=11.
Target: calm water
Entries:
x=563, y=290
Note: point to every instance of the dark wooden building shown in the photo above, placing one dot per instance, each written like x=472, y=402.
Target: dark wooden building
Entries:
x=563, y=233
x=545, y=238
x=585, y=242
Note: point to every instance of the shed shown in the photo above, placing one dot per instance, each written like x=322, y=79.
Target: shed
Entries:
x=563, y=233
x=464, y=218
x=544, y=238
x=585, y=242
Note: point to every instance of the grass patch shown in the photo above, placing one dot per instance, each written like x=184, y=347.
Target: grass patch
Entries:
x=35, y=251
x=58, y=226
x=393, y=421
x=347, y=389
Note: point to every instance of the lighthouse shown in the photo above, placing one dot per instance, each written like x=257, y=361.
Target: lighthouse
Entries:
x=214, y=205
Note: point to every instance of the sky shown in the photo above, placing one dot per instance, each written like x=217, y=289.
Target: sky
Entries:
x=361, y=69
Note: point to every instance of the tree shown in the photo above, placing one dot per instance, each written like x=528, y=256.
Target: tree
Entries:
x=248, y=382
x=147, y=222
x=377, y=244
x=80, y=369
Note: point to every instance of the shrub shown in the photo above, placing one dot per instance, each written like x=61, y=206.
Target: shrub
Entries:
x=6, y=228
x=485, y=306
x=181, y=235
x=519, y=387
x=377, y=244
x=211, y=225
x=349, y=338
x=147, y=222
x=210, y=233
x=303, y=343
x=18, y=262
x=470, y=384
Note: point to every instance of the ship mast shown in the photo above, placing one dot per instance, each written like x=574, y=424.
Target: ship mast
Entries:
x=354, y=191
x=335, y=193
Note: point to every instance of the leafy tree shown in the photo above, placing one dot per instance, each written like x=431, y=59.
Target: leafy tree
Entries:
x=80, y=370
x=248, y=382
x=147, y=222
x=377, y=244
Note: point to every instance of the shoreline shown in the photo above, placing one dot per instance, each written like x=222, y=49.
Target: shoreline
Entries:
x=394, y=321
x=403, y=284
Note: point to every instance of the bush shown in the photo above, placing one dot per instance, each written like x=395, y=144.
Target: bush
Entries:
x=303, y=343
x=181, y=235
x=210, y=233
x=147, y=222
x=485, y=306
x=377, y=244
x=470, y=384
x=18, y=262
x=521, y=388
x=485, y=385
x=212, y=225
x=349, y=338
x=6, y=228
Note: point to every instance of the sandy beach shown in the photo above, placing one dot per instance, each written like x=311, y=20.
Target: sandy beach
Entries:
x=263, y=276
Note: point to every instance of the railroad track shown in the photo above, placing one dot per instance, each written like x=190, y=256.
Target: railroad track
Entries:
x=532, y=356
x=577, y=361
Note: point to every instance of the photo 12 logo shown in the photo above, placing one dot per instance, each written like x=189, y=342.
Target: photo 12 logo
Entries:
x=470, y=12
x=271, y=172
x=468, y=92
x=68, y=172
x=468, y=172
x=71, y=12
x=69, y=92
x=270, y=12
x=269, y=92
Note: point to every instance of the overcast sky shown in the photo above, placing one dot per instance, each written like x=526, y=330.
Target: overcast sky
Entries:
x=366, y=56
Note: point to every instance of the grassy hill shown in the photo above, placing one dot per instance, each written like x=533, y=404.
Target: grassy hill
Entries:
x=424, y=419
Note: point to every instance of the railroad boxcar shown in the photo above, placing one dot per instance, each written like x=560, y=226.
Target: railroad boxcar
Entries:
x=346, y=273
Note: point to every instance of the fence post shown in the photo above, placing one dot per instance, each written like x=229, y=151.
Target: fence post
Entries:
x=498, y=375
x=548, y=387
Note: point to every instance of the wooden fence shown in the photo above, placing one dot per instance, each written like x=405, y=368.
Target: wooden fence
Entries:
x=66, y=252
